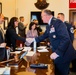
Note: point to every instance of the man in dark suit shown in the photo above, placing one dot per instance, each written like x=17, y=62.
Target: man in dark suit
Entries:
x=22, y=27
x=2, y=40
x=62, y=49
x=70, y=29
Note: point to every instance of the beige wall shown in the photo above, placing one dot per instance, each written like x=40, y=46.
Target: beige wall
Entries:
x=24, y=7
x=8, y=7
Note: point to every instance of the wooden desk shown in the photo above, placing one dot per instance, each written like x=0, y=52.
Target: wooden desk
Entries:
x=42, y=58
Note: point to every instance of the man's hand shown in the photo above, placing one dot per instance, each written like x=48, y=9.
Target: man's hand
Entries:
x=25, y=25
x=30, y=40
x=54, y=56
x=3, y=45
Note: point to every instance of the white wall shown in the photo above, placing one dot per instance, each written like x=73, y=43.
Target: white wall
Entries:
x=24, y=7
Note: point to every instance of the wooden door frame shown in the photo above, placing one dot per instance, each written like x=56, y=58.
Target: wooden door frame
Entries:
x=71, y=16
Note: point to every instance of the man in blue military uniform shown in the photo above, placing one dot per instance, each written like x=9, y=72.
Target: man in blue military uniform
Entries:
x=62, y=49
x=70, y=29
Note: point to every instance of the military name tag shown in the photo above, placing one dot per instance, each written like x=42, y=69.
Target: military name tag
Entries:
x=52, y=29
x=72, y=30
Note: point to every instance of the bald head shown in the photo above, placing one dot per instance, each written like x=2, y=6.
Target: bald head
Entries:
x=1, y=18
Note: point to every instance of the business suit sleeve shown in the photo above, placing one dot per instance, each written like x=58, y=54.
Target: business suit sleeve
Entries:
x=42, y=37
x=71, y=32
x=64, y=38
x=1, y=38
x=15, y=36
x=21, y=26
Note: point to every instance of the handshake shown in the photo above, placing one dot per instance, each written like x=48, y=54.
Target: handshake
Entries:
x=29, y=41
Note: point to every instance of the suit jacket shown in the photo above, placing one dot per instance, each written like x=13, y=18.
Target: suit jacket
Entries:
x=2, y=50
x=11, y=37
x=60, y=41
x=21, y=29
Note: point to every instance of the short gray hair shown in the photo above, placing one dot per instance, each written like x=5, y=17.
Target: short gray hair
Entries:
x=48, y=12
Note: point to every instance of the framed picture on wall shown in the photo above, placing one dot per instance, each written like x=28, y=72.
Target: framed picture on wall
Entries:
x=0, y=7
x=37, y=15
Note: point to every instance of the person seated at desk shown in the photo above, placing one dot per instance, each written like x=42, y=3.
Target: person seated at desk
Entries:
x=2, y=39
x=37, y=27
x=32, y=32
x=11, y=35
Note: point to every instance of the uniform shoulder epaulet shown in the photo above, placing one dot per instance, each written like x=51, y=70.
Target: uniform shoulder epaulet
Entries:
x=66, y=22
x=54, y=19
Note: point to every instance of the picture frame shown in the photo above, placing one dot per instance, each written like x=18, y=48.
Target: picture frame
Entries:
x=37, y=15
x=0, y=7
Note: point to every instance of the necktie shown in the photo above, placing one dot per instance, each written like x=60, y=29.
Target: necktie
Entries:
x=2, y=32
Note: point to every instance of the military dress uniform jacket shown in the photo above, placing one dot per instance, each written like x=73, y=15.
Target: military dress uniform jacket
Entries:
x=60, y=41
x=70, y=30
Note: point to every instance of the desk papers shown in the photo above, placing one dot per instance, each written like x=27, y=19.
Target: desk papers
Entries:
x=41, y=47
x=30, y=53
x=43, y=50
x=16, y=52
x=5, y=70
x=27, y=49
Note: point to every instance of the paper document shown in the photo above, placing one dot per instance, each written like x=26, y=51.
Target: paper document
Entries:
x=41, y=47
x=3, y=70
x=43, y=50
x=19, y=48
x=16, y=52
x=7, y=71
x=27, y=49
x=30, y=53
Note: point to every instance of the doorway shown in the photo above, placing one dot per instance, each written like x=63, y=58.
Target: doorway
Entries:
x=72, y=17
